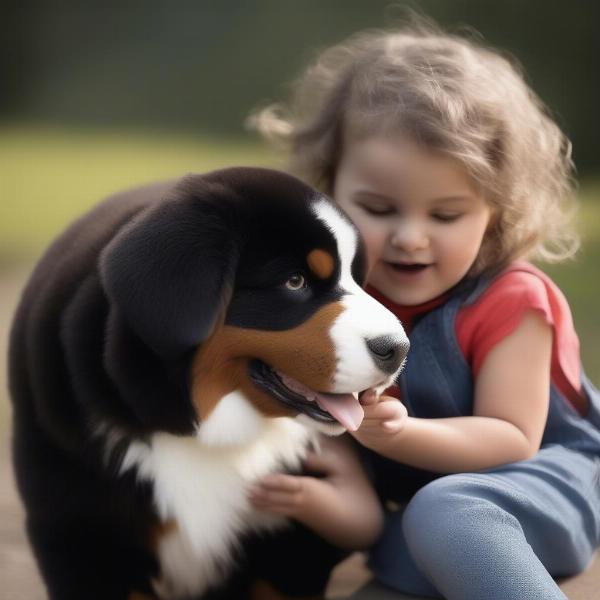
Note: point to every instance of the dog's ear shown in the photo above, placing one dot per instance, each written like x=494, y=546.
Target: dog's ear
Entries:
x=170, y=271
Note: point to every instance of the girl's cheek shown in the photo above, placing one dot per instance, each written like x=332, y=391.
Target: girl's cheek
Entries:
x=374, y=246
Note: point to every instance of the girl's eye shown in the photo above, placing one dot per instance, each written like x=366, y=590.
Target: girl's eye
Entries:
x=376, y=210
x=446, y=217
x=296, y=282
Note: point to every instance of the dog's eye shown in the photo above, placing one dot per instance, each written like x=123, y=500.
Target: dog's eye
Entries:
x=296, y=282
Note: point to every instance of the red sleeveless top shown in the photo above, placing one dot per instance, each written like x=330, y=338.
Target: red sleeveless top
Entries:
x=498, y=312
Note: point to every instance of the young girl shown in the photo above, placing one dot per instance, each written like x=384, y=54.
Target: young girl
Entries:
x=454, y=173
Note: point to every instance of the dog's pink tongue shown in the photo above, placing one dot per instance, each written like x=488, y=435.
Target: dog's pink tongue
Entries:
x=343, y=407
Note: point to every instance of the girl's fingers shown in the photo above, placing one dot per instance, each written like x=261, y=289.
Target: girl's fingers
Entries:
x=388, y=399
x=387, y=409
x=277, y=506
x=368, y=397
x=285, y=511
x=280, y=482
x=271, y=498
x=392, y=426
x=281, y=501
x=389, y=417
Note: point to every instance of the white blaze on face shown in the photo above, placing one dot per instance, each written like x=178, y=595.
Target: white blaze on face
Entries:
x=363, y=318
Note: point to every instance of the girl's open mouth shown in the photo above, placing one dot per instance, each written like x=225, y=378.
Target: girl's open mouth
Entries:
x=408, y=268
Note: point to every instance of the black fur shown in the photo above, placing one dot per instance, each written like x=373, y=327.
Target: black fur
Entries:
x=104, y=334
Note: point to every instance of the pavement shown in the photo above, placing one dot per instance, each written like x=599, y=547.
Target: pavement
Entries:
x=19, y=578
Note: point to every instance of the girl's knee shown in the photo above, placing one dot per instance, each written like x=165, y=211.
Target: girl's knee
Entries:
x=447, y=495
x=454, y=509
x=462, y=514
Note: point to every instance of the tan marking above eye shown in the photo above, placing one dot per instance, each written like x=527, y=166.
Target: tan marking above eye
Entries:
x=321, y=263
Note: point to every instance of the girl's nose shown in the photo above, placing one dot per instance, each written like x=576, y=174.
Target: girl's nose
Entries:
x=409, y=236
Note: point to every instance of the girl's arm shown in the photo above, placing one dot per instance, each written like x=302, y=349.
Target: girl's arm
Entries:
x=510, y=409
x=341, y=506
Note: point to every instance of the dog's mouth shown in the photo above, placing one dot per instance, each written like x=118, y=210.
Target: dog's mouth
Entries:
x=321, y=406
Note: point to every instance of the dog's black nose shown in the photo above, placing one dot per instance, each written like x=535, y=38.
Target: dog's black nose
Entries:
x=388, y=351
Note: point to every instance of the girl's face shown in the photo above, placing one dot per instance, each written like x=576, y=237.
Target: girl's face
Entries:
x=420, y=216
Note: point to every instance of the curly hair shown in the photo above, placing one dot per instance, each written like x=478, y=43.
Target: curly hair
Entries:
x=451, y=94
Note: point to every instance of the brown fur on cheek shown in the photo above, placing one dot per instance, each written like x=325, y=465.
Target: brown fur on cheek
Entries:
x=305, y=353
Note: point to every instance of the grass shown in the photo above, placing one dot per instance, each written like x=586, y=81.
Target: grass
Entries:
x=50, y=175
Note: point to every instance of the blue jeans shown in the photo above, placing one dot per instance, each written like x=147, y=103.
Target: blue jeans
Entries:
x=503, y=533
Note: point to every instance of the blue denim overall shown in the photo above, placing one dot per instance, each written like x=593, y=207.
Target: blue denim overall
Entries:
x=501, y=533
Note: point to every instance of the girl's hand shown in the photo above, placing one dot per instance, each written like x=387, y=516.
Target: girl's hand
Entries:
x=282, y=494
x=340, y=505
x=294, y=495
x=384, y=418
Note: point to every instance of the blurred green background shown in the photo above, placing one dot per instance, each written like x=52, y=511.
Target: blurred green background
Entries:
x=95, y=97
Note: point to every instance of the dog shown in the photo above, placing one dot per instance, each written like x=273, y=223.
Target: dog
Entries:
x=174, y=344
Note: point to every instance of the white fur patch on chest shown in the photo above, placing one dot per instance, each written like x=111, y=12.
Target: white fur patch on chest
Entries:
x=203, y=489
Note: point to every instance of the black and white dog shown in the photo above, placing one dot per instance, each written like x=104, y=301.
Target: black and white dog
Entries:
x=175, y=344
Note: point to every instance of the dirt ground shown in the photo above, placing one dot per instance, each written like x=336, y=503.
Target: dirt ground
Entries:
x=19, y=579
x=18, y=575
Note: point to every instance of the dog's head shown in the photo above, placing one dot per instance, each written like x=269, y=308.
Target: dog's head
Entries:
x=256, y=278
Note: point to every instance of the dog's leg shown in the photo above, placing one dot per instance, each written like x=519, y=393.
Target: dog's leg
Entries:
x=263, y=590
x=140, y=596
x=78, y=562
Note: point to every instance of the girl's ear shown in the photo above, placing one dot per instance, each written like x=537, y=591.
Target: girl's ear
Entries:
x=170, y=272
